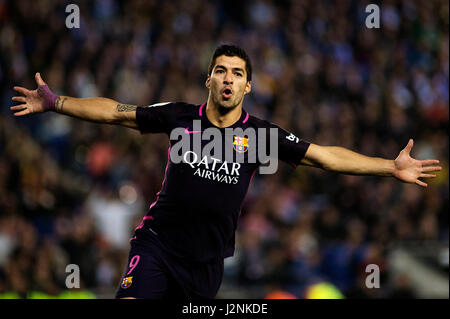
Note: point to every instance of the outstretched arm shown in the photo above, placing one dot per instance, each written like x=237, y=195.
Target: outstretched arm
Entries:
x=341, y=160
x=98, y=109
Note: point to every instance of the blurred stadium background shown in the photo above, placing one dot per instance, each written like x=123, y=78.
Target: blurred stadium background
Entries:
x=72, y=192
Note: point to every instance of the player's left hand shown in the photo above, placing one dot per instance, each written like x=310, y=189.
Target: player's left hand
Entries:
x=409, y=170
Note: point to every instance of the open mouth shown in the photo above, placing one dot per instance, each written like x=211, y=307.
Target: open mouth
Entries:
x=227, y=93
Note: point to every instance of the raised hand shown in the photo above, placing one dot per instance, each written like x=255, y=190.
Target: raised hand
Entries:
x=409, y=170
x=35, y=101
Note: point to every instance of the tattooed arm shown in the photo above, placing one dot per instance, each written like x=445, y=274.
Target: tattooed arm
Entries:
x=98, y=109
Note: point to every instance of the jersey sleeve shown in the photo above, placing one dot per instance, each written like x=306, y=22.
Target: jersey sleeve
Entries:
x=291, y=149
x=155, y=118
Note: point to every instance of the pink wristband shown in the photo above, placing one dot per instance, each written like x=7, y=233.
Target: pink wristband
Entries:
x=48, y=96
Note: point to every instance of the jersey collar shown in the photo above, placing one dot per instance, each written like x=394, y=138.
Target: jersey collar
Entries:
x=242, y=120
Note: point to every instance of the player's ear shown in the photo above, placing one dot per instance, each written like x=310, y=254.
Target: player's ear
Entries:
x=208, y=82
x=248, y=87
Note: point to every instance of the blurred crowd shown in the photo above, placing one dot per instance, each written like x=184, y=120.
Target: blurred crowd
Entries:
x=72, y=192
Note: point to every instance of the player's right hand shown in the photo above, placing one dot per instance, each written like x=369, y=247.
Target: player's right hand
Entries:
x=33, y=102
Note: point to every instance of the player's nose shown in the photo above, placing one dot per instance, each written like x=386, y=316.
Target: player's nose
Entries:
x=228, y=79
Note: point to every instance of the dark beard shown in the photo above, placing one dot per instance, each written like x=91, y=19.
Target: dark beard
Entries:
x=223, y=110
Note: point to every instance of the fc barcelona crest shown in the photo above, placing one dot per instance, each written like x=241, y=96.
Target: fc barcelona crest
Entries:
x=126, y=282
x=240, y=144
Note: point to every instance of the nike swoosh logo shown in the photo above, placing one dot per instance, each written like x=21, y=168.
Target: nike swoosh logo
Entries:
x=190, y=132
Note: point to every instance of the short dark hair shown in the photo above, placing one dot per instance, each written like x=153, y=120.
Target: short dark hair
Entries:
x=231, y=50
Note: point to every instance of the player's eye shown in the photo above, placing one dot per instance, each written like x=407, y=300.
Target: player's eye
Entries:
x=238, y=74
x=219, y=71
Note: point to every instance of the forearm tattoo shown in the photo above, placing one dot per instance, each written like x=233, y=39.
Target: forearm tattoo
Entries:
x=59, y=104
x=126, y=107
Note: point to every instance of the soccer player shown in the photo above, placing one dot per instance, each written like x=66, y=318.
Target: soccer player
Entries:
x=178, y=249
